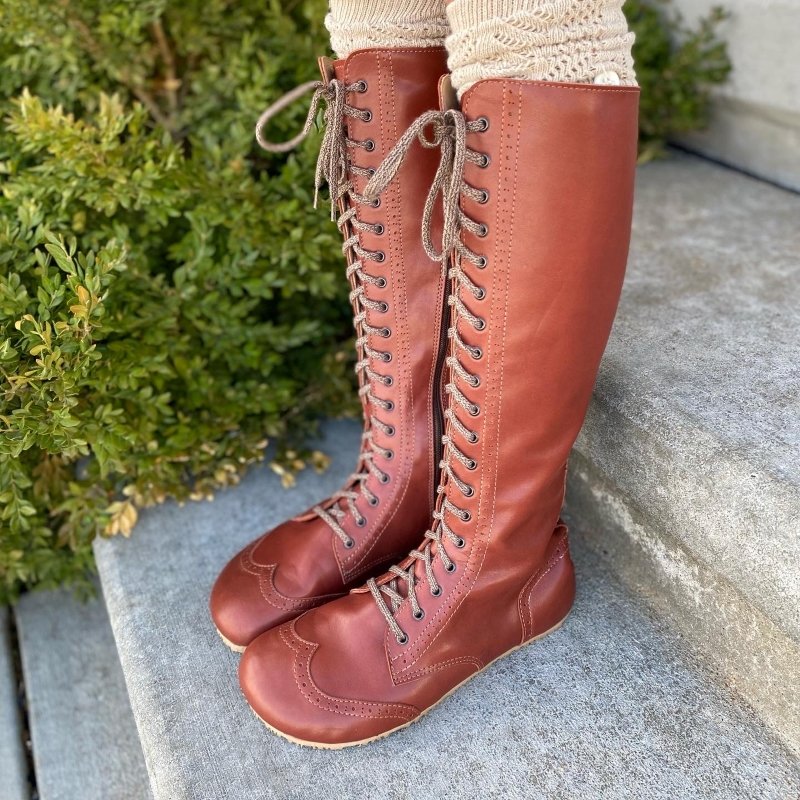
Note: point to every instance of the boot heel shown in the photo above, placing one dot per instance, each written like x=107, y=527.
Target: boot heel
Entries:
x=548, y=597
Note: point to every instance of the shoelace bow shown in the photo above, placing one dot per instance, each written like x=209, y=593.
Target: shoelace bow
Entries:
x=335, y=167
x=446, y=130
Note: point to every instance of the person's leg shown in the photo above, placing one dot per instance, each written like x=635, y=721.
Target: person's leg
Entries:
x=570, y=41
x=360, y=24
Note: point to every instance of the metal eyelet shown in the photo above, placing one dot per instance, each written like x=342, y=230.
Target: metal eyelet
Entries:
x=389, y=405
x=390, y=430
x=470, y=493
x=388, y=380
x=376, y=202
x=379, y=229
x=402, y=639
x=474, y=411
x=473, y=439
x=451, y=568
x=480, y=294
x=481, y=262
x=466, y=516
x=367, y=115
x=361, y=86
x=386, y=357
x=385, y=333
x=384, y=479
x=483, y=231
x=373, y=501
x=461, y=543
x=349, y=544
x=381, y=283
x=472, y=464
x=484, y=124
x=476, y=353
x=369, y=145
x=379, y=256
x=483, y=162
x=419, y=615
x=362, y=522
x=389, y=455
x=475, y=382
x=383, y=307
x=437, y=592
x=370, y=171
x=479, y=324
x=484, y=198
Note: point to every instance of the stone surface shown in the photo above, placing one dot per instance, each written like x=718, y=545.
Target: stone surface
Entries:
x=85, y=743
x=751, y=653
x=610, y=706
x=755, y=120
x=689, y=462
x=13, y=769
x=696, y=414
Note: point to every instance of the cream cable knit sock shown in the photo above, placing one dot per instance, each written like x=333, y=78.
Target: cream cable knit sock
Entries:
x=356, y=24
x=574, y=41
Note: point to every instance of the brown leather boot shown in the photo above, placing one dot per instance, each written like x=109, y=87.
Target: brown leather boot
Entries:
x=373, y=96
x=537, y=184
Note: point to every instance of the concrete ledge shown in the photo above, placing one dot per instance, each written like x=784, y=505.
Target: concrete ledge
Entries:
x=753, y=656
x=696, y=414
x=85, y=743
x=13, y=767
x=611, y=706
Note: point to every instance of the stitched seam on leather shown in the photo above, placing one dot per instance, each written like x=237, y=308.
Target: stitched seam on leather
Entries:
x=323, y=699
x=266, y=585
x=524, y=599
x=588, y=87
x=438, y=666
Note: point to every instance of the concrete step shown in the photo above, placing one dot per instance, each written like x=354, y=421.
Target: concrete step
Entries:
x=85, y=744
x=613, y=705
x=688, y=466
x=13, y=765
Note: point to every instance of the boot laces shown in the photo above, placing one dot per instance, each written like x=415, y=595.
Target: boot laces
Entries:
x=446, y=130
x=336, y=168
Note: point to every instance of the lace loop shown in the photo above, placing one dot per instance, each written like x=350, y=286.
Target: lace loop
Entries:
x=333, y=160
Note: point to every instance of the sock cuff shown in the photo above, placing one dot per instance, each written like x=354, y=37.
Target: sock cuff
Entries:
x=356, y=24
x=573, y=41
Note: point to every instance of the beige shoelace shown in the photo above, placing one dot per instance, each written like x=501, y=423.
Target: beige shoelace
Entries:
x=446, y=130
x=334, y=167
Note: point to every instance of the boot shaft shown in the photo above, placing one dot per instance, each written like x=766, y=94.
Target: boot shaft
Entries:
x=535, y=281
x=398, y=306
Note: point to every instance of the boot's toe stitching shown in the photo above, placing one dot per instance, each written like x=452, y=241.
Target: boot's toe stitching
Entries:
x=330, y=704
x=265, y=573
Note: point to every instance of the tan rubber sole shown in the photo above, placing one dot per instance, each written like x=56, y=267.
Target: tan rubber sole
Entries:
x=237, y=648
x=327, y=746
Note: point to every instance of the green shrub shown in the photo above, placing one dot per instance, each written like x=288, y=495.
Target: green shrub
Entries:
x=675, y=67
x=169, y=299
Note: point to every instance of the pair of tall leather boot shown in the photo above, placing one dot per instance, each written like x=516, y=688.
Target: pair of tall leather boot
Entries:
x=486, y=247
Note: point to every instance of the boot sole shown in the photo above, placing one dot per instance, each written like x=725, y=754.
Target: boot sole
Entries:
x=340, y=746
x=237, y=648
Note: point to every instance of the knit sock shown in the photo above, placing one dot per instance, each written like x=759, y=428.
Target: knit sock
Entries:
x=356, y=24
x=571, y=41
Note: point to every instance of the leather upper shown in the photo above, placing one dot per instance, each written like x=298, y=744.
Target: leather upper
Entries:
x=302, y=563
x=558, y=169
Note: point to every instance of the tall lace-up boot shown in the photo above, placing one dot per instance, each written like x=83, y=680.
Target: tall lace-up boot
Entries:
x=372, y=97
x=536, y=180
